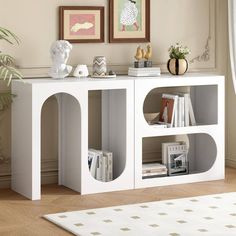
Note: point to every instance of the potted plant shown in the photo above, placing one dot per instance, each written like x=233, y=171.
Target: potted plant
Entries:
x=177, y=64
x=8, y=70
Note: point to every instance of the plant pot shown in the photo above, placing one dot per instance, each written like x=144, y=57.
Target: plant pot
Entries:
x=177, y=66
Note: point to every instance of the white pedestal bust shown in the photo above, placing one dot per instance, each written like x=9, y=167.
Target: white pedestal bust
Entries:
x=60, y=51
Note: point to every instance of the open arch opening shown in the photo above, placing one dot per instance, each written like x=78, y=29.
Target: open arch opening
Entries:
x=61, y=139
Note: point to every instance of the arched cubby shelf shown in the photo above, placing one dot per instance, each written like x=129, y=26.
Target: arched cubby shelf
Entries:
x=202, y=98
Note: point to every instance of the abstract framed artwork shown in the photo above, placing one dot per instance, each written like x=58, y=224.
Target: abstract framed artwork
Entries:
x=81, y=24
x=129, y=21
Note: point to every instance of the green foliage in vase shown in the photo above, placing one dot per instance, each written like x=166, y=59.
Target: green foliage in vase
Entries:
x=178, y=51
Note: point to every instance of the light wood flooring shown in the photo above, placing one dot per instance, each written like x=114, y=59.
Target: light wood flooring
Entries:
x=21, y=217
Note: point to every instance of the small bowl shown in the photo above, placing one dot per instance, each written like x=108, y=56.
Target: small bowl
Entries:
x=152, y=118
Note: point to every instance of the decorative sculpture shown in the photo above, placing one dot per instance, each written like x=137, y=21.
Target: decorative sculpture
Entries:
x=142, y=54
x=60, y=51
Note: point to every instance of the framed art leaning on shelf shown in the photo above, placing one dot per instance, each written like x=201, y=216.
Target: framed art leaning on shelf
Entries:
x=129, y=21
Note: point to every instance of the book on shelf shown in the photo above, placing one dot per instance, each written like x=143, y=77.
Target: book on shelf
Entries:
x=153, y=169
x=145, y=72
x=92, y=162
x=175, y=157
x=177, y=110
x=101, y=164
x=164, y=151
x=169, y=104
x=109, y=171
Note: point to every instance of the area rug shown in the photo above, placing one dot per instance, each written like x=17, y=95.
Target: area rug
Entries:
x=212, y=215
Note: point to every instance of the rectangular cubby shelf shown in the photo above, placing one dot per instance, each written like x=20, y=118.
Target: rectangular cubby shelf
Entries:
x=206, y=145
x=122, y=130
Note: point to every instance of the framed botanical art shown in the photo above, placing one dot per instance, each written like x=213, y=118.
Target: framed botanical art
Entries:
x=129, y=21
x=81, y=24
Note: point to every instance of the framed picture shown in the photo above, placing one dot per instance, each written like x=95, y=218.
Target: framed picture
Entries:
x=177, y=160
x=167, y=110
x=81, y=24
x=129, y=21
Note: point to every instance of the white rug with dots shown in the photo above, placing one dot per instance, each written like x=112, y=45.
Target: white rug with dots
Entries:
x=212, y=215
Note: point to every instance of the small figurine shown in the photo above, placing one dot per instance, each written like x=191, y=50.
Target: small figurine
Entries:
x=139, y=56
x=147, y=56
x=142, y=54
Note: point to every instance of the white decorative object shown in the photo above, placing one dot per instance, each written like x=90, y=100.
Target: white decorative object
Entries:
x=81, y=71
x=211, y=215
x=99, y=66
x=60, y=51
x=121, y=99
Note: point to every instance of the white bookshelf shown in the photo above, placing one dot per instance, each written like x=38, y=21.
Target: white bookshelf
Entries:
x=123, y=129
x=205, y=140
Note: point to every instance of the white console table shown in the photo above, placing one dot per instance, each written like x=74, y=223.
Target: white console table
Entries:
x=123, y=131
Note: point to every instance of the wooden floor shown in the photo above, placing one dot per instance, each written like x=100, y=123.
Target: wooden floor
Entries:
x=21, y=217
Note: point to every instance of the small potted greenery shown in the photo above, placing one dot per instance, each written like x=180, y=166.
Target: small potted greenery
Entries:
x=177, y=64
x=8, y=69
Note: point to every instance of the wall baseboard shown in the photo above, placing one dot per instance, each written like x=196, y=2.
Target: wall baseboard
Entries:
x=47, y=177
x=230, y=163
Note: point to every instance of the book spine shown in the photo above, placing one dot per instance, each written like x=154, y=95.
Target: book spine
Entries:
x=179, y=112
x=191, y=113
x=104, y=168
x=99, y=168
x=109, y=173
x=182, y=112
x=93, y=167
x=186, y=108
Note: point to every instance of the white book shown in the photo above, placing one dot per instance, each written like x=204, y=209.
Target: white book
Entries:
x=175, y=97
x=154, y=174
x=104, y=168
x=94, y=156
x=165, y=151
x=191, y=113
x=156, y=69
x=186, y=108
x=109, y=174
x=182, y=115
x=99, y=165
x=144, y=74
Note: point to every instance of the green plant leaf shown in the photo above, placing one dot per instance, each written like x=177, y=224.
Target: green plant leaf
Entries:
x=7, y=73
x=6, y=60
x=5, y=100
x=8, y=36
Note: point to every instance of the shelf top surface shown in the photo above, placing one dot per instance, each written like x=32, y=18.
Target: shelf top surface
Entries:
x=190, y=76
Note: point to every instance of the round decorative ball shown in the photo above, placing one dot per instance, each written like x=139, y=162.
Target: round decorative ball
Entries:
x=177, y=66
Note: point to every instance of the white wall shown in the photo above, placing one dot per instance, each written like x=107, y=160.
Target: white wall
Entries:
x=199, y=24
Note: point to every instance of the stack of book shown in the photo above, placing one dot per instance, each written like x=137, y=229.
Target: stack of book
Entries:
x=175, y=157
x=100, y=164
x=152, y=170
x=177, y=110
x=144, y=72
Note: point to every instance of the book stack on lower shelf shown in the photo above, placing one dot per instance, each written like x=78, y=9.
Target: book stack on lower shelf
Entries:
x=144, y=72
x=100, y=164
x=152, y=170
